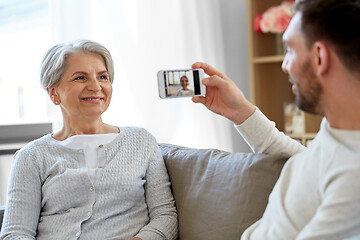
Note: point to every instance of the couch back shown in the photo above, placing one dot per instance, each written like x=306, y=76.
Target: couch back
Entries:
x=219, y=194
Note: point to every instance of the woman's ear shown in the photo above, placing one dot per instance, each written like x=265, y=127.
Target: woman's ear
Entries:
x=322, y=57
x=53, y=95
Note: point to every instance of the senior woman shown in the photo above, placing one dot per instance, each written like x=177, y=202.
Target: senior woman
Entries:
x=184, y=90
x=90, y=180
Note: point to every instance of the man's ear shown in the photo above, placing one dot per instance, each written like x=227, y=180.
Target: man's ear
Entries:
x=322, y=57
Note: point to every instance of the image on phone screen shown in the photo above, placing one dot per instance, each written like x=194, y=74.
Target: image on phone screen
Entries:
x=180, y=83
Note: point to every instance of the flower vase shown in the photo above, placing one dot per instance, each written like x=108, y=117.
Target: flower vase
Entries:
x=280, y=49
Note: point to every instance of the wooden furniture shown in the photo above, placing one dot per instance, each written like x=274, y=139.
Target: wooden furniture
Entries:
x=269, y=85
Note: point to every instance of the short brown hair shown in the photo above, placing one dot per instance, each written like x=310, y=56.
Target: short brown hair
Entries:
x=335, y=22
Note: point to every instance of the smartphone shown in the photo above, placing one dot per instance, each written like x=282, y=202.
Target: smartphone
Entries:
x=181, y=83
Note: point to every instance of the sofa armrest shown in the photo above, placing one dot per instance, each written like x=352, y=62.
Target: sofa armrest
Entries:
x=219, y=194
x=2, y=210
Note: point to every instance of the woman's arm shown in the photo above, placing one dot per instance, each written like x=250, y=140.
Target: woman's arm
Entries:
x=23, y=199
x=160, y=201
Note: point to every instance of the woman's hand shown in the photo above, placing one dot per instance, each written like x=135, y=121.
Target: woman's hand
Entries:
x=223, y=96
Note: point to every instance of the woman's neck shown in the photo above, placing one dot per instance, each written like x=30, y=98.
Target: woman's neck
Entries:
x=77, y=127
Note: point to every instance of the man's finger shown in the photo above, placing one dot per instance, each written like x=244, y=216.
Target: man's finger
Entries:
x=199, y=99
x=208, y=69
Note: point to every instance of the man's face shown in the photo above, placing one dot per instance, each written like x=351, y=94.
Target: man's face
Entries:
x=298, y=65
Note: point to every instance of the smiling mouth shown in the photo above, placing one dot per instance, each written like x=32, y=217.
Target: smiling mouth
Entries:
x=92, y=99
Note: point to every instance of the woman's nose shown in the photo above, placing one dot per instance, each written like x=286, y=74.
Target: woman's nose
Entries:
x=94, y=85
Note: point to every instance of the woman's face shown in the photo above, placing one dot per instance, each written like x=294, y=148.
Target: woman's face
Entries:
x=184, y=82
x=84, y=90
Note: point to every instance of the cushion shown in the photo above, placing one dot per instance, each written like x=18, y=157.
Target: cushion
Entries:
x=219, y=194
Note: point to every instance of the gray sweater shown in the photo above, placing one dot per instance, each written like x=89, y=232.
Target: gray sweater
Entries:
x=51, y=196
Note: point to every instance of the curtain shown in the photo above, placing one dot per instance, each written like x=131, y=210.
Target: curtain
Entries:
x=145, y=36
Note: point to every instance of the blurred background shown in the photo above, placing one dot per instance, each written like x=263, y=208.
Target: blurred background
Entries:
x=143, y=36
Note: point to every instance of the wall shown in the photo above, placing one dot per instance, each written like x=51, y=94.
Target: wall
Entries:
x=234, y=21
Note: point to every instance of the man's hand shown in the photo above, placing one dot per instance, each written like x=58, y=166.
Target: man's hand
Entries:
x=223, y=96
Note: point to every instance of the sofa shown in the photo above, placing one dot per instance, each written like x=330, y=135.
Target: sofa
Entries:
x=218, y=194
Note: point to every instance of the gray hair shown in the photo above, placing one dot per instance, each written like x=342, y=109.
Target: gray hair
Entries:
x=54, y=61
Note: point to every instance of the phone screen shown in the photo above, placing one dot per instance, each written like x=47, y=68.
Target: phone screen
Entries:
x=178, y=83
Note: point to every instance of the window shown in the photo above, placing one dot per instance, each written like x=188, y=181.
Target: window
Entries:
x=24, y=37
x=24, y=106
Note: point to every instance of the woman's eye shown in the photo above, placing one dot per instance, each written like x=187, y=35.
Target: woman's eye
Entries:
x=103, y=77
x=79, y=78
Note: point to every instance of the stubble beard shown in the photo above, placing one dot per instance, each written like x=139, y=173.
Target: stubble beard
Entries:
x=308, y=99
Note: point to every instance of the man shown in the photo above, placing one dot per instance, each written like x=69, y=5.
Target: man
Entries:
x=318, y=193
